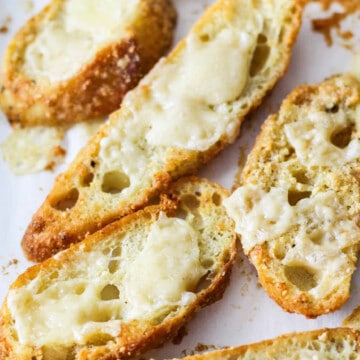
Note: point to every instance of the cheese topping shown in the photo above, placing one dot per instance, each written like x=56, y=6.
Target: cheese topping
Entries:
x=166, y=271
x=189, y=95
x=32, y=150
x=261, y=216
x=97, y=298
x=311, y=139
x=71, y=39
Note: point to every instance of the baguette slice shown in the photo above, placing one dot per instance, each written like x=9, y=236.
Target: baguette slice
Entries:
x=182, y=114
x=297, y=209
x=76, y=59
x=128, y=287
x=324, y=344
x=353, y=320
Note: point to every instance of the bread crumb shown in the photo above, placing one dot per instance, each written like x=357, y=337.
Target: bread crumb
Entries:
x=203, y=347
x=34, y=149
x=5, y=268
x=5, y=27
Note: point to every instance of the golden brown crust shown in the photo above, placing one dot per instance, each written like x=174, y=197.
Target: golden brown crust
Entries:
x=51, y=230
x=273, y=162
x=335, y=343
x=99, y=87
x=353, y=320
x=139, y=335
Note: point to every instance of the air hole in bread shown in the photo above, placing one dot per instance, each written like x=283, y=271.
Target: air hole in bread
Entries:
x=155, y=200
x=114, y=182
x=79, y=289
x=203, y=283
x=279, y=251
x=181, y=213
x=106, y=251
x=207, y=263
x=333, y=109
x=301, y=177
x=87, y=179
x=204, y=37
x=262, y=39
x=216, y=199
x=116, y=251
x=98, y=339
x=316, y=236
x=290, y=151
x=302, y=276
x=190, y=201
x=113, y=266
x=342, y=137
x=259, y=59
x=66, y=202
x=226, y=256
x=109, y=292
x=295, y=196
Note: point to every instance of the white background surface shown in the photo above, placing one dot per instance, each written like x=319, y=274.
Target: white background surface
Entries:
x=245, y=314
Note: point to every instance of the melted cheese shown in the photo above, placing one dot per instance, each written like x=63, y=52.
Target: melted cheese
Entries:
x=162, y=275
x=167, y=269
x=188, y=95
x=258, y=215
x=261, y=216
x=311, y=139
x=32, y=150
x=59, y=314
x=73, y=37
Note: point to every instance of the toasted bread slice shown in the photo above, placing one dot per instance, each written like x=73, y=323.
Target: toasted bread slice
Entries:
x=331, y=344
x=76, y=59
x=128, y=287
x=353, y=320
x=297, y=209
x=181, y=115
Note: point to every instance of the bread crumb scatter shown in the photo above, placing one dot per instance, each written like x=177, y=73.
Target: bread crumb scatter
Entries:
x=5, y=268
x=200, y=347
x=334, y=20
